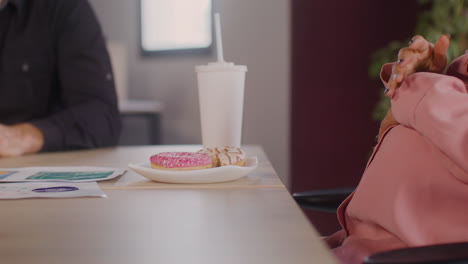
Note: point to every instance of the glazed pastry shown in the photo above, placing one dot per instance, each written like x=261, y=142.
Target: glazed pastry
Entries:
x=181, y=161
x=223, y=156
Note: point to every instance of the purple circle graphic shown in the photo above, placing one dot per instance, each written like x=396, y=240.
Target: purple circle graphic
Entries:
x=56, y=189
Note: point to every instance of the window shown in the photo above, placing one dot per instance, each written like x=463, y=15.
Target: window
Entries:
x=175, y=25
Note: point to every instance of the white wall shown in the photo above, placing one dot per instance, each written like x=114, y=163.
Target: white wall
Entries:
x=256, y=33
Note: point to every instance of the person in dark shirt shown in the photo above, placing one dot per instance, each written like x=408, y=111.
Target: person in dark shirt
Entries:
x=56, y=85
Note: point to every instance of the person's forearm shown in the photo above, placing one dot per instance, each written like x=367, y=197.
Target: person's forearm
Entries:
x=89, y=125
x=89, y=115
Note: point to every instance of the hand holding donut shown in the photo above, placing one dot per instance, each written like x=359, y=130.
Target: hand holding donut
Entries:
x=419, y=56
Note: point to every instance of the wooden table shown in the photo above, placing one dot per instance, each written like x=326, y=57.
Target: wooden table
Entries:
x=263, y=176
x=254, y=221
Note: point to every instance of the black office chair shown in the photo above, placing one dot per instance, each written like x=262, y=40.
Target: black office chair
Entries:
x=329, y=200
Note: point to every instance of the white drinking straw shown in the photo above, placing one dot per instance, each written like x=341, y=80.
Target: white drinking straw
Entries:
x=219, y=40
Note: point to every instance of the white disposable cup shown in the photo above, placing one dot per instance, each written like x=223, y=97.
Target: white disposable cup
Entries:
x=221, y=97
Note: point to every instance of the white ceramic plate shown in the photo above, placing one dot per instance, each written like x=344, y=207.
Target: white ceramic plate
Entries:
x=212, y=175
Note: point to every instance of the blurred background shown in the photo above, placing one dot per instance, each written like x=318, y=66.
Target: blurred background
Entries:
x=256, y=33
x=309, y=98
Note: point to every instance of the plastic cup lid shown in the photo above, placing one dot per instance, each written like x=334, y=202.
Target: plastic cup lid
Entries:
x=220, y=66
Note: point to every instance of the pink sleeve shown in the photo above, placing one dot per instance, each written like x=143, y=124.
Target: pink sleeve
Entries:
x=436, y=106
x=336, y=239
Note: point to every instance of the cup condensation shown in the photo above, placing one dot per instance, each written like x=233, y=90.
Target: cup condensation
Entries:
x=221, y=98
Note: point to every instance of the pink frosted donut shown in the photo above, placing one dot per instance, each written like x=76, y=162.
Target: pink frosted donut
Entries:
x=180, y=161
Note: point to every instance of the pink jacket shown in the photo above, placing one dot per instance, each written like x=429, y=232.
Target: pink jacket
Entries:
x=414, y=190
